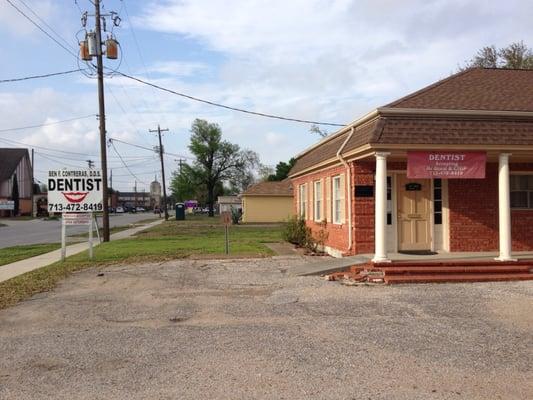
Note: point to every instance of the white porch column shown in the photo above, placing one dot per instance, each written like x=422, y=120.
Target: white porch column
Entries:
x=380, y=214
x=504, y=207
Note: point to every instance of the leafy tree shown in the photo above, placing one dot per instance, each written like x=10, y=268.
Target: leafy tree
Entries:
x=264, y=171
x=183, y=185
x=216, y=161
x=282, y=170
x=517, y=55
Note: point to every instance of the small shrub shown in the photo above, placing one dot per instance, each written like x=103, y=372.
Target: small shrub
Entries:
x=296, y=231
x=236, y=216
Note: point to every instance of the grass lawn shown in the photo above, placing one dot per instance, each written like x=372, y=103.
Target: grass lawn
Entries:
x=16, y=253
x=198, y=236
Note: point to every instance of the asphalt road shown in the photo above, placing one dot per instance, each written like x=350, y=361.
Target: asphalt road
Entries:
x=41, y=231
x=243, y=329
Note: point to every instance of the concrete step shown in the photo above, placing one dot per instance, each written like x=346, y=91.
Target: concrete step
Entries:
x=455, y=269
x=462, y=277
x=458, y=263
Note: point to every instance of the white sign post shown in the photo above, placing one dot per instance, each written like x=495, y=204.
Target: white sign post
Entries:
x=76, y=194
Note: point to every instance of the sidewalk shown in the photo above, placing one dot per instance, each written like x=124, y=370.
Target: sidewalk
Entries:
x=12, y=270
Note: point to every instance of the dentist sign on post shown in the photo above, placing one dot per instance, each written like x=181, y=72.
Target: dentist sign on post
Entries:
x=72, y=192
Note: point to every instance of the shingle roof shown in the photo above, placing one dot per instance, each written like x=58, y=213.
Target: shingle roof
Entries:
x=476, y=89
x=458, y=131
x=483, y=90
x=9, y=160
x=281, y=188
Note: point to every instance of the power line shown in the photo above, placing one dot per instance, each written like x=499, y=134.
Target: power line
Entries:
x=242, y=110
x=48, y=26
x=125, y=165
x=149, y=149
x=138, y=47
x=26, y=78
x=47, y=124
x=41, y=28
x=58, y=162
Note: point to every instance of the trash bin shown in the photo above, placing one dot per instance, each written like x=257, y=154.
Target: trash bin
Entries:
x=180, y=211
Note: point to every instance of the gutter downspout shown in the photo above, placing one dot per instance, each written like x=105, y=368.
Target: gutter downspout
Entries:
x=349, y=179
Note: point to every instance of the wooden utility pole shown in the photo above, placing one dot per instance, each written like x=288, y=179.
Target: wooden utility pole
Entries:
x=101, y=114
x=32, y=192
x=159, y=130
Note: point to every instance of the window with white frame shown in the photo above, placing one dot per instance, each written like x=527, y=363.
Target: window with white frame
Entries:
x=522, y=191
x=317, y=196
x=303, y=200
x=337, y=200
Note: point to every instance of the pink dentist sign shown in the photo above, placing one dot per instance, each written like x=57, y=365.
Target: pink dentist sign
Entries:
x=446, y=165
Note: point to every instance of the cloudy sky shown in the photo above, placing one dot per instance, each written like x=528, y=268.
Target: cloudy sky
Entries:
x=322, y=60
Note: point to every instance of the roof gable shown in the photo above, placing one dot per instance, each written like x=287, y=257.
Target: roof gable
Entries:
x=475, y=89
x=479, y=106
x=9, y=160
x=270, y=188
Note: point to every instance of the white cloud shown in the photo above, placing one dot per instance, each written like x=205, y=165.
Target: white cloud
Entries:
x=178, y=68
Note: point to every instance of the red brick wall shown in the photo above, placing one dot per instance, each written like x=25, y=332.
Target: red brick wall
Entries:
x=474, y=214
x=473, y=211
x=363, y=208
x=337, y=234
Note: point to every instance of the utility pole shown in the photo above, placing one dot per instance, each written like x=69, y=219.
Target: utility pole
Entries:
x=90, y=47
x=101, y=105
x=181, y=161
x=135, y=196
x=32, y=183
x=159, y=130
x=90, y=163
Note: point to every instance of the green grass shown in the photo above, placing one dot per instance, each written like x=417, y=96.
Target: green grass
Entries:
x=16, y=253
x=197, y=237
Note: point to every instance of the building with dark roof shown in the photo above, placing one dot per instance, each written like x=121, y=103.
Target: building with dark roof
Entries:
x=268, y=202
x=448, y=168
x=16, y=181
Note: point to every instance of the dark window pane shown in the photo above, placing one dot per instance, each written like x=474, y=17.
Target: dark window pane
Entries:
x=438, y=206
x=519, y=199
x=389, y=219
x=438, y=194
x=389, y=188
x=523, y=182
x=530, y=199
x=438, y=219
x=515, y=182
x=437, y=183
x=530, y=182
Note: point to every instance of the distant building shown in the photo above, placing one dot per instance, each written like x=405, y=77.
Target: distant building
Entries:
x=133, y=199
x=155, y=194
x=268, y=202
x=16, y=181
x=226, y=203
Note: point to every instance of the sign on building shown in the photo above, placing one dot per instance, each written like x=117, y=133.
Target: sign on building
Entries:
x=446, y=165
x=75, y=190
x=7, y=204
x=77, y=218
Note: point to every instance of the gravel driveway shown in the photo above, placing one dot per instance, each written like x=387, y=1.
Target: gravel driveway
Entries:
x=242, y=329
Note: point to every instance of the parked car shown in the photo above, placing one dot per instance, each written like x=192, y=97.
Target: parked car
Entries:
x=119, y=210
x=141, y=209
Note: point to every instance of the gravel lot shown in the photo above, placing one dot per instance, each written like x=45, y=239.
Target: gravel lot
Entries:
x=242, y=329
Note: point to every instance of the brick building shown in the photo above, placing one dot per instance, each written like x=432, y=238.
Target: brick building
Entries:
x=448, y=168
